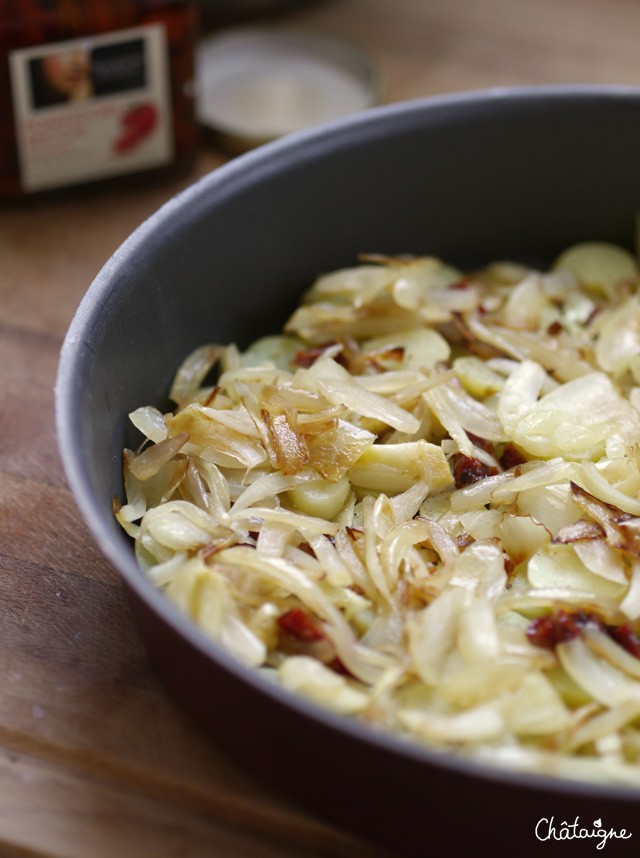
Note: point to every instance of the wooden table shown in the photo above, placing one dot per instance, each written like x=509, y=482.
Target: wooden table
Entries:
x=96, y=759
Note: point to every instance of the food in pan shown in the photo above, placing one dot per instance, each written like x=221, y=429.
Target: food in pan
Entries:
x=419, y=506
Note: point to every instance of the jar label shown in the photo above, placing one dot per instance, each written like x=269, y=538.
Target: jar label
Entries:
x=92, y=107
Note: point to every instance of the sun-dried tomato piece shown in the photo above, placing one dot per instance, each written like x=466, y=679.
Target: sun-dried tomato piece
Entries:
x=511, y=457
x=560, y=626
x=301, y=625
x=627, y=636
x=468, y=470
x=301, y=634
x=482, y=443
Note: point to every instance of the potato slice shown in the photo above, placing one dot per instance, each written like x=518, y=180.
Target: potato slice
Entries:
x=394, y=468
x=323, y=498
x=598, y=265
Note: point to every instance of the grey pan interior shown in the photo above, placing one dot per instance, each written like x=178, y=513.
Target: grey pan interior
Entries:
x=472, y=177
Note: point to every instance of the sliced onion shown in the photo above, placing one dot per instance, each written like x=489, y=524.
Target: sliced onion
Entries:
x=479, y=569
x=150, y=422
x=473, y=725
x=365, y=664
x=309, y=677
x=179, y=525
x=600, y=559
x=559, y=567
x=519, y=394
x=535, y=708
x=593, y=481
x=604, y=724
x=406, y=504
x=460, y=413
x=603, y=645
x=478, y=639
x=630, y=605
x=290, y=446
x=432, y=634
x=335, y=570
x=480, y=493
x=271, y=484
x=204, y=429
x=338, y=449
x=273, y=538
x=560, y=597
x=316, y=480
x=339, y=388
x=193, y=371
x=148, y=463
x=305, y=524
x=603, y=682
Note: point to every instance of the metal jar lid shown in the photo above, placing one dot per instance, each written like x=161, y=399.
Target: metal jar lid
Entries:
x=257, y=84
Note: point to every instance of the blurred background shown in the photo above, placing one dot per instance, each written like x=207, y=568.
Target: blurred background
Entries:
x=418, y=48
x=245, y=71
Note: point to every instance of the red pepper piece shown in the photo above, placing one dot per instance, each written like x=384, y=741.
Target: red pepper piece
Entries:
x=298, y=623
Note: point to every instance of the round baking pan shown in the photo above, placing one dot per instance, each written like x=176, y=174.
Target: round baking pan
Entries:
x=473, y=177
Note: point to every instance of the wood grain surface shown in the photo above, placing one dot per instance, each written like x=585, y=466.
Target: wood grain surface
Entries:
x=96, y=760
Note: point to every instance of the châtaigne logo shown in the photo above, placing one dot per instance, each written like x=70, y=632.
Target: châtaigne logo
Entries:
x=547, y=829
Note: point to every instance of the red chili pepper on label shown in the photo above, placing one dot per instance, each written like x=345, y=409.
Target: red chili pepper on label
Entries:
x=137, y=123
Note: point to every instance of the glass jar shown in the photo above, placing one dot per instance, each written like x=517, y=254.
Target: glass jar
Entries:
x=94, y=89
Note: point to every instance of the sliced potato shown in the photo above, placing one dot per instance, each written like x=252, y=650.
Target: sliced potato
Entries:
x=477, y=377
x=322, y=498
x=423, y=347
x=598, y=265
x=393, y=468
